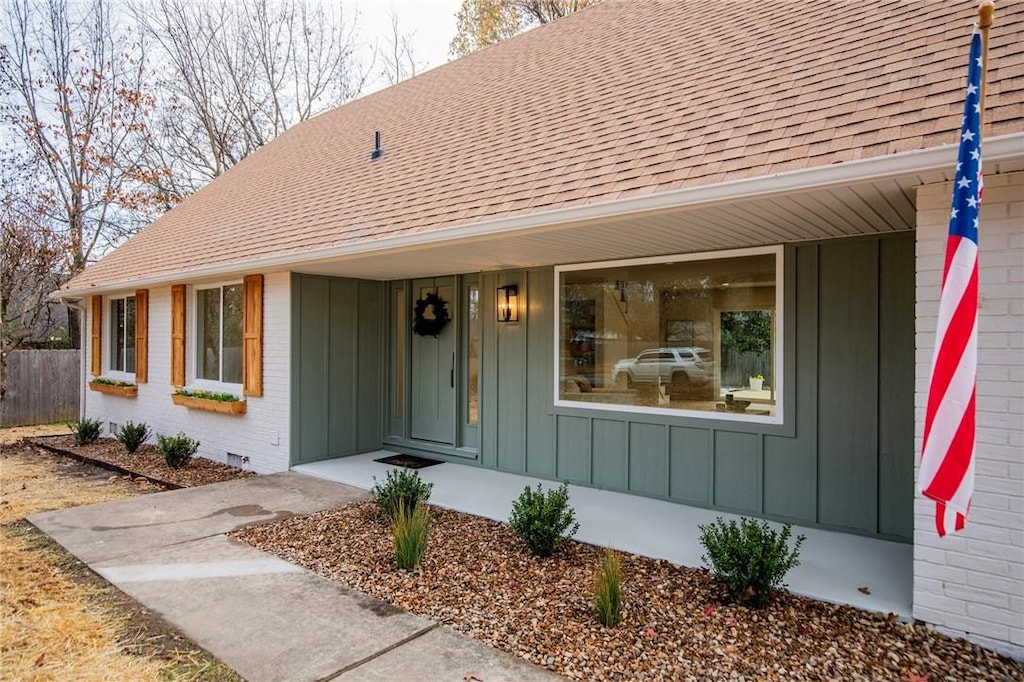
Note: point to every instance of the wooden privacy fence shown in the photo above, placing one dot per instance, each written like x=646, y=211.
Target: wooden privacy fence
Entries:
x=42, y=387
x=739, y=366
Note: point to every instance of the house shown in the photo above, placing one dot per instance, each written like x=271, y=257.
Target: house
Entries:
x=764, y=191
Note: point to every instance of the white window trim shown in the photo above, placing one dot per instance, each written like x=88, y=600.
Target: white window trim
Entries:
x=778, y=350
x=108, y=339
x=192, y=336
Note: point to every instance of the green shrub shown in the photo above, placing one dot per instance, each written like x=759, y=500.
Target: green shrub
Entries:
x=543, y=520
x=410, y=528
x=132, y=435
x=86, y=430
x=401, y=487
x=749, y=557
x=608, y=590
x=177, y=450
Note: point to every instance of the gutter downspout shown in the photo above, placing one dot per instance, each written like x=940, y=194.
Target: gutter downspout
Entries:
x=77, y=304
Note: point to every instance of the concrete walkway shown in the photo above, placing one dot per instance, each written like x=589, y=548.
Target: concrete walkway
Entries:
x=266, y=618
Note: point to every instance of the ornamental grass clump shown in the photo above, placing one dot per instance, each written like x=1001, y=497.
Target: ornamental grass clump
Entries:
x=608, y=589
x=132, y=435
x=750, y=558
x=86, y=430
x=401, y=487
x=543, y=521
x=410, y=528
x=177, y=450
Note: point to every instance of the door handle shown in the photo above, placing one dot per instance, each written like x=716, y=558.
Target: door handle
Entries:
x=451, y=374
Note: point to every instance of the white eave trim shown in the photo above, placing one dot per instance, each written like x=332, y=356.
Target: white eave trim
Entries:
x=997, y=149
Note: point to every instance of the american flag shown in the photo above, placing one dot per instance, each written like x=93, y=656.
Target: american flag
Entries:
x=947, y=460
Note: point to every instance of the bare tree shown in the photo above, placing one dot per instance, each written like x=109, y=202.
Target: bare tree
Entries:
x=396, y=54
x=75, y=110
x=236, y=75
x=34, y=261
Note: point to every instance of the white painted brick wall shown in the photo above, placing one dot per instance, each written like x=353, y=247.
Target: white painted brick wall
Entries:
x=971, y=584
x=261, y=434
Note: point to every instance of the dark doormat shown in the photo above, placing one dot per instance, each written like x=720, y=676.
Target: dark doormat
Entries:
x=409, y=461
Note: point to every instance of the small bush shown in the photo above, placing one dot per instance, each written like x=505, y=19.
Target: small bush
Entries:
x=177, y=450
x=608, y=590
x=401, y=487
x=543, y=520
x=86, y=431
x=410, y=528
x=133, y=435
x=750, y=558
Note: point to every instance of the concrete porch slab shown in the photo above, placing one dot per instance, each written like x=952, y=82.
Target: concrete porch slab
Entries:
x=833, y=566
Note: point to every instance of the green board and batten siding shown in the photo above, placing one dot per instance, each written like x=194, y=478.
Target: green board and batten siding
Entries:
x=843, y=459
x=338, y=337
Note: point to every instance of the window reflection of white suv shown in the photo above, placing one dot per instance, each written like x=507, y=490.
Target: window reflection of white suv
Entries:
x=679, y=368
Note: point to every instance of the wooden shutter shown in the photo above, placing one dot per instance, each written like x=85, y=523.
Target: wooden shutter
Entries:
x=178, y=335
x=142, y=336
x=96, y=345
x=252, y=328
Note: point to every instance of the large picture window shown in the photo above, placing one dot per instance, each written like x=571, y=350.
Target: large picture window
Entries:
x=684, y=334
x=219, y=333
x=122, y=334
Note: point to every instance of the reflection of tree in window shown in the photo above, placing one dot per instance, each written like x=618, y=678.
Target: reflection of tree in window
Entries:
x=208, y=321
x=122, y=332
x=231, y=354
x=219, y=320
x=746, y=337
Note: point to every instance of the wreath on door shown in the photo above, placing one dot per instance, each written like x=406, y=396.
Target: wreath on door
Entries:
x=430, y=316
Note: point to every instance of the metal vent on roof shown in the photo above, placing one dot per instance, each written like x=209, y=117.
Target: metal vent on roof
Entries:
x=378, y=151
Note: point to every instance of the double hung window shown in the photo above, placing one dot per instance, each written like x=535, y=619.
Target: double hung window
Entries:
x=219, y=312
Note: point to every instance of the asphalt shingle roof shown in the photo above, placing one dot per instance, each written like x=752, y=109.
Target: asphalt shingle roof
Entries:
x=622, y=99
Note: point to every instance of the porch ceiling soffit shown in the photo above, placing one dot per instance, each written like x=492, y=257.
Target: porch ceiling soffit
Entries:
x=840, y=211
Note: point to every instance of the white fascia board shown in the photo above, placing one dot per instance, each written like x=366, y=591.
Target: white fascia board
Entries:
x=996, y=149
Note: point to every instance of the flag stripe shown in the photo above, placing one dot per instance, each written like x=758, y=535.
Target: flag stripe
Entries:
x=960, y=324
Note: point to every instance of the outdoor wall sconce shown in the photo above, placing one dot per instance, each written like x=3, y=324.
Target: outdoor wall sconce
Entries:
x=508, y=303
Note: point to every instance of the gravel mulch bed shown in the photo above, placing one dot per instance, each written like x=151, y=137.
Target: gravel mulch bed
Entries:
x=146, y=461
x=478, y=579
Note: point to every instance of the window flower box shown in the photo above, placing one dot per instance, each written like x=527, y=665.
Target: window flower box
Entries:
x=119, y=388
x=209, y=404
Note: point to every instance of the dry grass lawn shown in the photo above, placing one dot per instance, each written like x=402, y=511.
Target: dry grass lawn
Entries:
x=57, y=620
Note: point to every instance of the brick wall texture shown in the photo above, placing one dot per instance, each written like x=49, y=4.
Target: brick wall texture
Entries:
x=261, y=434
x=971, y=584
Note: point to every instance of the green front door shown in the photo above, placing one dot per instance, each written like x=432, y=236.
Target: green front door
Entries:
x=433, y=369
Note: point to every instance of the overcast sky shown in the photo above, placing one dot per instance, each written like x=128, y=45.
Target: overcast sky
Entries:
x=431, y=23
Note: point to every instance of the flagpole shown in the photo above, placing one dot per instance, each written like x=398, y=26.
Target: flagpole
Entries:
x=986, y=13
